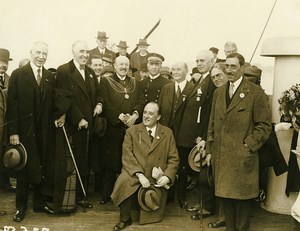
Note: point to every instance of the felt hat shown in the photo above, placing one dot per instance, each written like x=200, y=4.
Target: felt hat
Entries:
x=15, y=156
x=143, y=42
x=155, y=57
x=122, y=44
x=253, y=71
x=107, y=58
x=101, y=35
x=214, y=50
x=149, y=198
x=165, y=71
x=107, y=69
x=194, y=159
x=4, y=55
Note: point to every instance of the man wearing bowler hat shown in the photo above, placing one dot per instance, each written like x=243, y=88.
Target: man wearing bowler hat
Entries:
x=139, y=57
x=146, y=147
x=122, y=47
x=150, y=87
x=101, y=49
x=4, y=79
x=30, y=122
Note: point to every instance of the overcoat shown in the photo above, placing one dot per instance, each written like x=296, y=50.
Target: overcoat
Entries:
x=96, y=52
x=140, y=155
x=194, y=121
x=85, y=94
x=234, y=136
x=29, y=114
x=115, y=103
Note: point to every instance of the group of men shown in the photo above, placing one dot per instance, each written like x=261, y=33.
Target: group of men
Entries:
x=149, y=123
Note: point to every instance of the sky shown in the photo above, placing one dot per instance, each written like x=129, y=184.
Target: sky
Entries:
x=186, y=27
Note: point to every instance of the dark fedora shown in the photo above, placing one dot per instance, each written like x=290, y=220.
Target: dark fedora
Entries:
x=143, y=42
x=4, y=55
x=214, y=50
x=253, y=71
x=122, y=44
x=149, y=198
x=15, y=156
x=102, y=35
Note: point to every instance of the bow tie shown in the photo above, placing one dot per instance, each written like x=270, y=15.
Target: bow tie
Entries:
x=82, y=67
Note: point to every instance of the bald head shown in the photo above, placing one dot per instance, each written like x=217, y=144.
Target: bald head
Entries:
x=205, y=60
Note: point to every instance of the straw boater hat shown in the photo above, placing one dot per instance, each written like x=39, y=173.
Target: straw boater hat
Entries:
x=4, y=55
x=15, y=156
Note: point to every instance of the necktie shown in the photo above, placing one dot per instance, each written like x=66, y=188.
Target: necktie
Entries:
x=82, y=67
x=38, y=77
x=231, y=86
x=150, y=135
x=178, y=92
x=1, y=81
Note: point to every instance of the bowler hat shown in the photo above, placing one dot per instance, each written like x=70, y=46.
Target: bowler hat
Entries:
x=149, y=198
x=122, y=44
x=101, y=35
x=214, y=50
x=155, y=57
x=143, y=42
x=107, y=69
x=15, y=156
x=252, y=71
x=4, y=55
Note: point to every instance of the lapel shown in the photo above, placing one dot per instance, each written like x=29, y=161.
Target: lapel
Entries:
x=159, y=136
x=204, y=89
x=186, y=91
x=29, y=77
x=77, y=77
x=143, y=134
x=239, y=95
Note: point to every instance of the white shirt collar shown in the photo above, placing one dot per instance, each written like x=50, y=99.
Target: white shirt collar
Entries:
x=101, y=50
x=77, y=65
x=181, y=85
x=121, y=78
x=153, y=130
x=35, y=68
x=236, y=84
x=153, y=77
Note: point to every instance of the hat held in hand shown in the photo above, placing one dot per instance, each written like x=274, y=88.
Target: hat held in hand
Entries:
x=149, y=198
x=15, y=156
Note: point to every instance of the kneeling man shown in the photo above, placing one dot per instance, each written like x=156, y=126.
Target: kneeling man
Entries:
x=147, y=147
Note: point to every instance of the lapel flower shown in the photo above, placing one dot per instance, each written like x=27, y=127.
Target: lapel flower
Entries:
x=184, y=96
x=157, y=137
x=242, y=95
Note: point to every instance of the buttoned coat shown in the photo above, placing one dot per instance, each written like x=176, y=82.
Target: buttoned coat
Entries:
x=234, y=136
x=96, y=52
x=140, y=155
x=194, y=121
x=29, y=114
x=171, y=115
x=84, y=100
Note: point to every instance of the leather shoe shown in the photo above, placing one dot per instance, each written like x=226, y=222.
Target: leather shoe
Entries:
x=217, y=224
x=194, y=208
x=19, y=216
x=122, y=225
x=44, y=209
x=10, y=188
x=182, y=204
x=104, y=201
x=197, y=216
x=84, y=204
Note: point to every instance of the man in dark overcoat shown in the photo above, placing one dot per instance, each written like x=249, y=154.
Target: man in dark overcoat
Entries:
x=240, y=123
x=80, y=80
x=29, y=117
x=172, y=102
x=121, y=107
x=140, y=156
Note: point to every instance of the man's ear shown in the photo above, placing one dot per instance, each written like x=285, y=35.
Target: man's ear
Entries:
x=158, y=117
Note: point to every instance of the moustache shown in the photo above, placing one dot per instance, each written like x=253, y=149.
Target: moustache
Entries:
x=123, y=69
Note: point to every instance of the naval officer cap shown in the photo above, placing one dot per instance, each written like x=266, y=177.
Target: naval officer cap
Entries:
x=154, y=57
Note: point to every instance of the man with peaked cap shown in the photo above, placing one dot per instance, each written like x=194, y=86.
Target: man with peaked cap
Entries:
x=146, y=145
x=101, y=49
x=4, y=79
x=30, y=121
x=122, y=47
x=215, y=52
x=150, y=87
x=139, y=57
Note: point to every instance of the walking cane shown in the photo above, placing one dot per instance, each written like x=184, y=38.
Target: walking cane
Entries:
x=76, y=168
x=201, y=201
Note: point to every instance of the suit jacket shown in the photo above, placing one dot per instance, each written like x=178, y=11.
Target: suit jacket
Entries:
x=171, y=114
x=140, y=155
x=96, y=52
x=29, y=114
x=85, y=94
x=247, y=120
x=194, y=121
